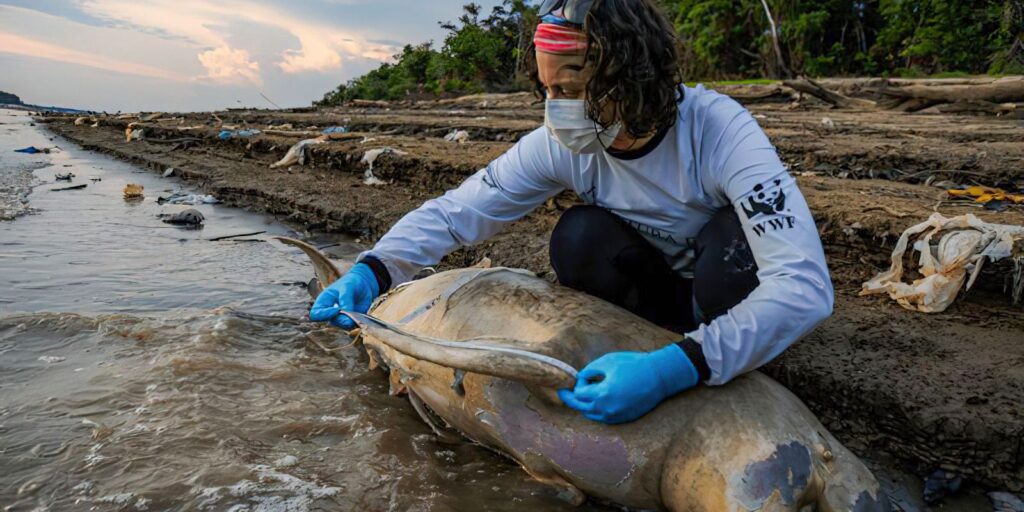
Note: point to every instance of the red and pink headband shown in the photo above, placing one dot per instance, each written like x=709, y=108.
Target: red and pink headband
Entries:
x=558, y=39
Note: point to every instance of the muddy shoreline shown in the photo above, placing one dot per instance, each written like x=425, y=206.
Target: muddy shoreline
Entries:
x=934, y=391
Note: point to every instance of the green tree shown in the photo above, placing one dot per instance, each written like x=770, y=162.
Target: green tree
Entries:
x=477, y=54
x=728, y=39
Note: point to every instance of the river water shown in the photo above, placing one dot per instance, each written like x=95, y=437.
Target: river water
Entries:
x=128, y=382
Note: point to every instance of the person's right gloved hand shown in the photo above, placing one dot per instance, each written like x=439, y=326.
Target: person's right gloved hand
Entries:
x=355, y=291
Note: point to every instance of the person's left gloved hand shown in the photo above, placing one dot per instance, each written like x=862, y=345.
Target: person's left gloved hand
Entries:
x=622, y=386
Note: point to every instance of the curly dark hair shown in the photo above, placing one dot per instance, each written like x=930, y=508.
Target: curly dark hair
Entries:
x=633, y=54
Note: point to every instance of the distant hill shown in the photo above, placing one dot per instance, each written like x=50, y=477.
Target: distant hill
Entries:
x=9, y=99
x=12, y=101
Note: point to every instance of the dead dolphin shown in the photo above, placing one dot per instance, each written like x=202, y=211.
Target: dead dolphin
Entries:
x=749, y=445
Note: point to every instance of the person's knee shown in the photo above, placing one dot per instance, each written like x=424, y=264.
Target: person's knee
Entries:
x=725, y=271
x=578, y=236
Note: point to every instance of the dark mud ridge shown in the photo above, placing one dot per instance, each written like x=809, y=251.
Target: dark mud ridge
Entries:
x=942, y=390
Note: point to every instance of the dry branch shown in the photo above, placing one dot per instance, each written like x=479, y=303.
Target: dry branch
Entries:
x=806, y=85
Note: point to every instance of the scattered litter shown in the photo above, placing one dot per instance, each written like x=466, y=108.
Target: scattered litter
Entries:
x=64, y=177
x=192, y=199
x=334, y=129
x=51, y=359
x=72, y=187
x=80, y=121
x=131, y=134
x=95, y=125
x=370, y=157
x=965, y=245
x=940, y=484
x=190, y=217
x=133, y=191
x=286, y=461
x=460, y=136
x=169, y=172
x=95, y=178
x=984, y=195
x=232, y=134
x=1006, y=502
x=298, y=153
x=31, y=150
x=152, y=117
x=996, y=205
x=828, y=123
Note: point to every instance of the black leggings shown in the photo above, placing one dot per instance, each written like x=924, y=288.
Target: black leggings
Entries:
x=594, y=251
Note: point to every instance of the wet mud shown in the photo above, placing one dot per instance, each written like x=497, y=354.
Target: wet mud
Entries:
x=931, y=391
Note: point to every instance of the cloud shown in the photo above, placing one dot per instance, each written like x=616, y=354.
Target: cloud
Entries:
x=19, y=45
x=229, y=65
x=320, y=47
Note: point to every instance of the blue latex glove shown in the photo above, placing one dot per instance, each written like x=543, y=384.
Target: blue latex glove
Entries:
x=355, y=291
x=622, y=386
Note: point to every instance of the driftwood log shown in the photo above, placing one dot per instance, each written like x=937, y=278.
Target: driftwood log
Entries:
x=808, y=86
x=979, y=96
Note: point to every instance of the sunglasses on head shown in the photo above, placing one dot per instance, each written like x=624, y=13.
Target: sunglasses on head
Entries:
x=571, y=11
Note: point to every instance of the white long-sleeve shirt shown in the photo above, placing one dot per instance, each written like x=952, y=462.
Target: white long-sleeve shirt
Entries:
x=716, y=155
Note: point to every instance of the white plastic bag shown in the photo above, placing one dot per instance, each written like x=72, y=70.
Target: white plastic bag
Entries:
x=962, y=248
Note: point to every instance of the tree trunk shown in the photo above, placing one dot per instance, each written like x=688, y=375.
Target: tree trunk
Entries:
x=783, y=70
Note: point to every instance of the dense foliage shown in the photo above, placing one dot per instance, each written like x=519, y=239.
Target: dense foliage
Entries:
x=478, y=54
x=729, y=39
x=732, y=38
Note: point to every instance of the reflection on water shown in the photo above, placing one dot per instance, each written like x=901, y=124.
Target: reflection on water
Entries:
x=126, y=383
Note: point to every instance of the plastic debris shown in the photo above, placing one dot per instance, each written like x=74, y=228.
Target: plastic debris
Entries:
x=965, y=244
x=984, y=195
x=190, y=217
x=80, y=121
x=133, y=191
x=1006, y=502
x=334, y=129
x=298, y=153
x=64, y=177
x=232, y=134
x=370, y=157
x=940, y=484
x=828, y=123
x=169, y=172
x=131, y=134
x=460, y=136
x=95, y=178
x=192, y=199
x=31, y=150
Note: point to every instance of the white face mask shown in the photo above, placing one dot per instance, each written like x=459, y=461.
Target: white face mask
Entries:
x=568, y=123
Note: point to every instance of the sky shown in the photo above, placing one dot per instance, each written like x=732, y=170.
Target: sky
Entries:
x=189, y=55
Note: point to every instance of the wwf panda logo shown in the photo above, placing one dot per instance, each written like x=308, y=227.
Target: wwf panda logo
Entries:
x=766, y=200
